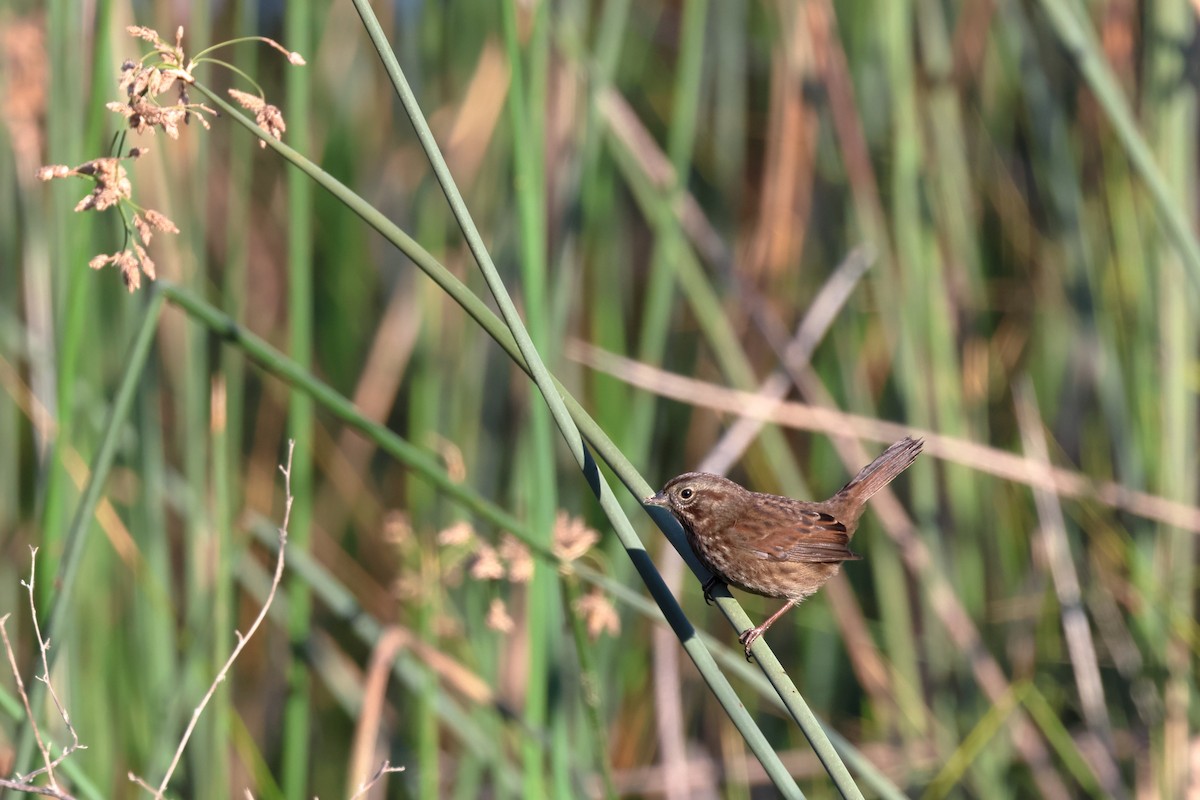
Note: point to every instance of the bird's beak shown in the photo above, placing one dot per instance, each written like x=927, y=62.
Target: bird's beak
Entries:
x=659, y=499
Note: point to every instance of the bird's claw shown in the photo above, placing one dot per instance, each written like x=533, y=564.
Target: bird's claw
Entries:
x=708, y=586
x=747, y=640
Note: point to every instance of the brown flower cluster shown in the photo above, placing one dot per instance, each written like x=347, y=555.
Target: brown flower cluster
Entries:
x=112, y=189
x=268, y=117
x=164, y=69
x=598, y=614
x=145, y=81
x=572, y=537
x=511, y=560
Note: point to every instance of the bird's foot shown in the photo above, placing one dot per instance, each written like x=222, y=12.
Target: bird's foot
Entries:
x=708, y=586
x=748, y=638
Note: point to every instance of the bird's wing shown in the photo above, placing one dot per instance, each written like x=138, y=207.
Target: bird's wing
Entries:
x=812, y=537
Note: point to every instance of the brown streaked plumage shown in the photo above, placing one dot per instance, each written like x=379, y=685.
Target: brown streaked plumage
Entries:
x=770, y=545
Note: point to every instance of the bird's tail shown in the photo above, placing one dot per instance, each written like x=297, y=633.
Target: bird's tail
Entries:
x=882, y=471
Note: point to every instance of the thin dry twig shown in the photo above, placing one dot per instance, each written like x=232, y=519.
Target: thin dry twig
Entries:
x=22, y=783
x=43, y=648
x=45, y=791
x=384, y=769
x=242, y=639
x=37, y=733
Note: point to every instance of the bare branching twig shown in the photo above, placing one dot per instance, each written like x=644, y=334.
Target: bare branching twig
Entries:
x=242, y=639
x=384, y=769
x=22, y=783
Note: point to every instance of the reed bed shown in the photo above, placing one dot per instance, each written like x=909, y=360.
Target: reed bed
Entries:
x=512, y=266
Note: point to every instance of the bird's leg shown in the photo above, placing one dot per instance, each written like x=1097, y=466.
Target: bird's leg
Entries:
x=751, y=636
x=708, y=586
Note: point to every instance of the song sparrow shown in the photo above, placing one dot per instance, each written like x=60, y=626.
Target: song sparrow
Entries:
x=775, y=546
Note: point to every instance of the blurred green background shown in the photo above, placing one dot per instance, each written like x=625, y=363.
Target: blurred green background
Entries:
x=1002, y=193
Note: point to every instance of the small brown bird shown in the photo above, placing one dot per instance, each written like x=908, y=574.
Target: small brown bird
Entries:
x=770, y=545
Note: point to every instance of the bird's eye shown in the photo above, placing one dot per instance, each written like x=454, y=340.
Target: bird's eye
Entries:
x=687, y=493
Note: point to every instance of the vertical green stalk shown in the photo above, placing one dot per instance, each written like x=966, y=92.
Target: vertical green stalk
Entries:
x=527, y=116
x=897, y=290
x=58, y=307
x=221, y=512
x=951, y=278
x=599, y=245
x=428, y=386
x=226, y=454
x=590, y=686
x=668, y=240
x=729, y=123
x=154, y=639
x=1174, y=131
x=297, y=710
x=209, y=646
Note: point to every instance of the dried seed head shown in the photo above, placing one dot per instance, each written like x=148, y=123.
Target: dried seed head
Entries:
x=516, y=554
x=131, y=265
x=498, y=618
x=250, y=102
x=487, y=566
x=125, y=262
x=112, y=184
x=293, y=58
x=52, y=171
x=457, y=534
x=142, y=32
x=160, y=222
x=268, y=117
x=143, y=228
x=598, y=614
x=145, y=262
x=397, y=528
x=572, y=537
